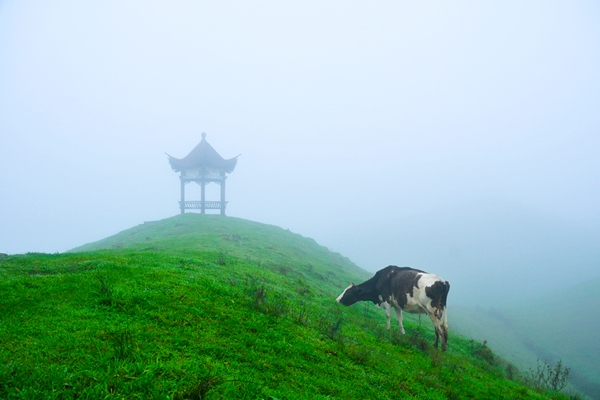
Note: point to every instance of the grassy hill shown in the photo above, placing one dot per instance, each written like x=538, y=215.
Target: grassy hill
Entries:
x=210, y=307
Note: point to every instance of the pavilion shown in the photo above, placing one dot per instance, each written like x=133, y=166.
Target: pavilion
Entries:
x=203, y=165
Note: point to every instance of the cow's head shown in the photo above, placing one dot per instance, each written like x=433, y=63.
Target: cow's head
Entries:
x=350, y=295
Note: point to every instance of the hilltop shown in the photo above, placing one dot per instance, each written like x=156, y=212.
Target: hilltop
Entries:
x=196, y=232
x=202, y=306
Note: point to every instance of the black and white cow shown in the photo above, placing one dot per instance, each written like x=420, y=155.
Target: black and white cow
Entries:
x=405, y=289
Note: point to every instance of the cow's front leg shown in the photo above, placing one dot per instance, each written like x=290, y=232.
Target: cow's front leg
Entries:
x=441, y=334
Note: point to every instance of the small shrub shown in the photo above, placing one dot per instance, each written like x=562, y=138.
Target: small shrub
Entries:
x=482, y=351
x=547, y=376
x=575, y=396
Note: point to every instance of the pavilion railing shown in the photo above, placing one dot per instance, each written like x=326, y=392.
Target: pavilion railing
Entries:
x=208, y=205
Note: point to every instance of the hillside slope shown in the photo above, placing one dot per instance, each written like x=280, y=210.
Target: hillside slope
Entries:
x=209, y=307
x=552, y=327
x=565, y=326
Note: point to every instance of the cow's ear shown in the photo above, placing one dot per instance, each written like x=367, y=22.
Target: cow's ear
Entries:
x=352, y=284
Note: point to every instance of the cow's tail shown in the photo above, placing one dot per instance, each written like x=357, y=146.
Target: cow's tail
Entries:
x=446, y=319
x=444, y=297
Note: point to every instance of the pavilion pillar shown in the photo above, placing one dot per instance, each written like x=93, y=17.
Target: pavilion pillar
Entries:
x=203, y=196
x=182, y=203
x=223, y=196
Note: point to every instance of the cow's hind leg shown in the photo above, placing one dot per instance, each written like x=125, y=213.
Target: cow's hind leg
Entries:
x=399, y=318
x=437, y=331
x=388, y=313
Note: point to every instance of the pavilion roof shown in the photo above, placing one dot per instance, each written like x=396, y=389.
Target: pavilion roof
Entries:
x=203, y=155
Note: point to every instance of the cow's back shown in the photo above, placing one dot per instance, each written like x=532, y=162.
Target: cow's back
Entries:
x=396, y=282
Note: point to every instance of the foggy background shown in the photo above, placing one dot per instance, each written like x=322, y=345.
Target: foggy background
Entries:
x=460, y=138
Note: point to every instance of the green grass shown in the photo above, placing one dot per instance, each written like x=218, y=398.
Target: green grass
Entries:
x=210, y=307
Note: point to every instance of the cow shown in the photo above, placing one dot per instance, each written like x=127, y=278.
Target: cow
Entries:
x=405, y=289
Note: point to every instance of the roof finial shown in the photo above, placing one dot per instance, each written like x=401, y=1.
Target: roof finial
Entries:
x=203, y=135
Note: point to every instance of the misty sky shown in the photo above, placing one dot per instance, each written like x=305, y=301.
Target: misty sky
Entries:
x=344, y=112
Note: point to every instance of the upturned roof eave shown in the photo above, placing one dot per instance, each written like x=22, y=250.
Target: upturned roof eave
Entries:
x=203, y=156
x=180, y=164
